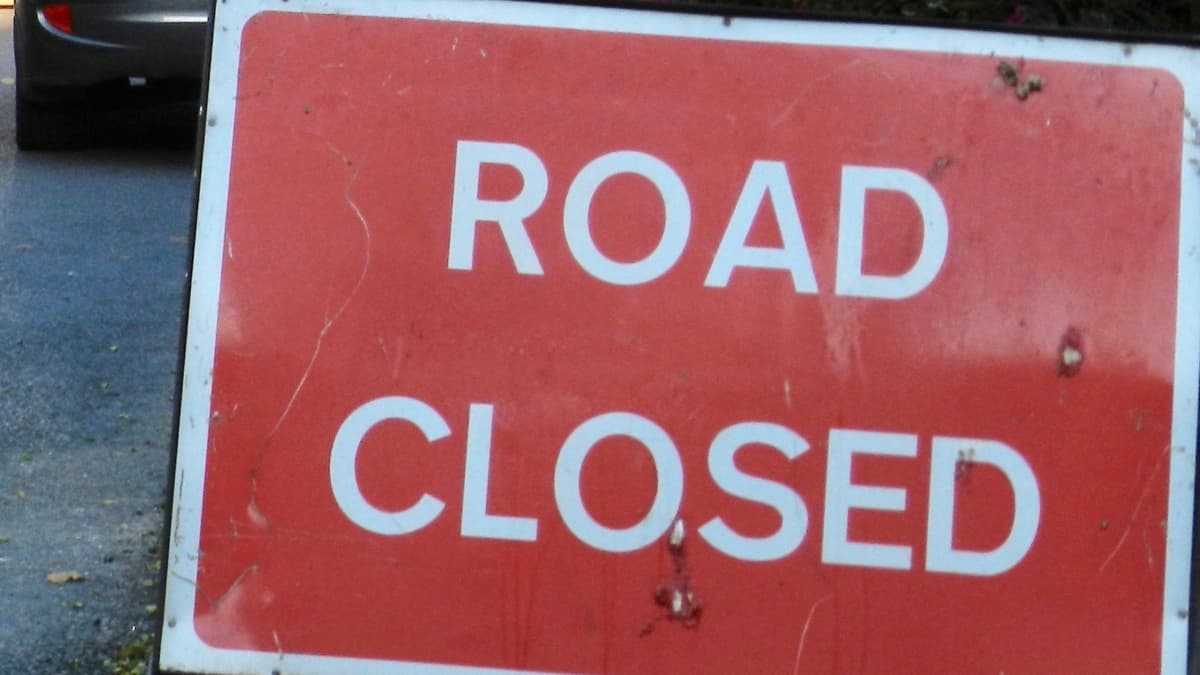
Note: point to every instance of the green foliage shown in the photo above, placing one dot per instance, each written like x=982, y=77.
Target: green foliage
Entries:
x=132, y=658
x=1168, y=16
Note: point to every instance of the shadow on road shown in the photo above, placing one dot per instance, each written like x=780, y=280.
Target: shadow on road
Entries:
x=171, y=125
x=126, y=124
x=162, y=125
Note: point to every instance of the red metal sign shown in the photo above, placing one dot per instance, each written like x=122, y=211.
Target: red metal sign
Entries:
x=561, y=339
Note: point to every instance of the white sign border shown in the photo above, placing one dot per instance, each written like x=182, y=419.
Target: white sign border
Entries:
x=182, y=649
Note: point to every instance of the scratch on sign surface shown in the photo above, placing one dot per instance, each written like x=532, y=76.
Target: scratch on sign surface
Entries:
x=175, y=535
x=236, y=582
x=804, y=633
x=330, y=320
x=1137, y=507
x=804, y=90
x=182, y=578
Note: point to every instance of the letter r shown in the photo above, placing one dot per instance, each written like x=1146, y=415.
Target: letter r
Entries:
x=467, y=209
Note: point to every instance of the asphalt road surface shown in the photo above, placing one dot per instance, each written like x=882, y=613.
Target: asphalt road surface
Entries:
x=93, y=257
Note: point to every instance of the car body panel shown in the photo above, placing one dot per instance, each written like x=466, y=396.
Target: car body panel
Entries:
x=111, y=41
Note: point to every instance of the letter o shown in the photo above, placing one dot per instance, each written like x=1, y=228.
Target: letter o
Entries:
x=667, y=498
x=676, y=226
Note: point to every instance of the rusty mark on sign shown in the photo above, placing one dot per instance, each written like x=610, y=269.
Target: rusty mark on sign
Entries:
x=1070, y=353
x=1034, y=83
x=939, y=166
x=1008, y=73
x=676, y=596
x=1193, y=124
x=962, y=468
x=1012, y=78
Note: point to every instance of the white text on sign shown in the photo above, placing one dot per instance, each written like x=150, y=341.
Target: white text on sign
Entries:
x=841, y=494
x=766, y=180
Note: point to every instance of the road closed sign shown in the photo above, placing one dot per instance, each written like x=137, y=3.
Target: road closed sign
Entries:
x=541, y=338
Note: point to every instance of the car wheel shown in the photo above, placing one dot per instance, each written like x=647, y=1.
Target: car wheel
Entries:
x=50, y=126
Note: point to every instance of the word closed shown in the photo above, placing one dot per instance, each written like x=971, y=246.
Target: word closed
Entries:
x=841, y=493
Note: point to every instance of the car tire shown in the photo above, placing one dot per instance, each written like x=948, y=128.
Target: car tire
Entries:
x=50, y=126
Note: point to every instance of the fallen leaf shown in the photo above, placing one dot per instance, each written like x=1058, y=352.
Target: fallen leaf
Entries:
x=65, y=577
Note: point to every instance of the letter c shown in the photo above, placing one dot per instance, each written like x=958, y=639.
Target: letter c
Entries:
x=343, y=477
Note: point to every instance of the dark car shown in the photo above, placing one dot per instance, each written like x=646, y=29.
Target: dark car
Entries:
x=69, y=54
